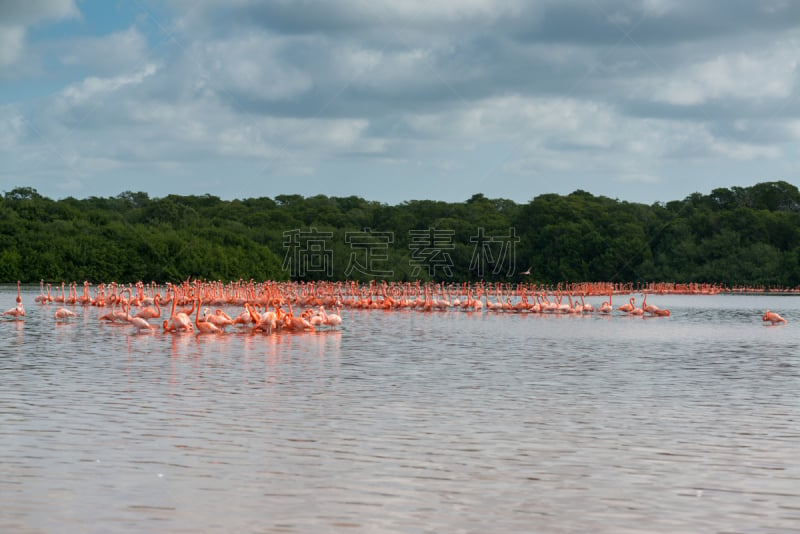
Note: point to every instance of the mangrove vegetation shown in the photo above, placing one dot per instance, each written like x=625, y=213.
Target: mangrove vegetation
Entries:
x=735, y=236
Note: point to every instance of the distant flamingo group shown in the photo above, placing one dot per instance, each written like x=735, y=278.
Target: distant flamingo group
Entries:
x=269, y=307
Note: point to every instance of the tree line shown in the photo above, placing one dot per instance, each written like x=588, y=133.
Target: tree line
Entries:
x=732, y=236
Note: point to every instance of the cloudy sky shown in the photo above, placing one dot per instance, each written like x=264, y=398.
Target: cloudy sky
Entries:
x=641, y=100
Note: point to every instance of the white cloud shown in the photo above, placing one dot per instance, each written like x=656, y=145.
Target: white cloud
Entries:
x=28, y=12
x=536, y=120
x=16, y=16
x=374, y=11
x=248, y=64
x=108, y=53
x=743, y=151
x=11, y=127
x=93, y=86
x=657, y=8
x=12, y=42
x=766, y=75
x=408, y=90
x=440, y=11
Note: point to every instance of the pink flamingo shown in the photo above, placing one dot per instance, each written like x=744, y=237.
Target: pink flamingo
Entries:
x=649, y=308
x=606, y=306
x=219, y=318
x=331, y=319
x=204, y=327
x=63, y=293
x=293, y=323
x=139, y=323
x=477, y=304
x=151, y=312
x=63, y=313
x=18, y=310
x=772, y=317
x=41, y=297
x=110, y=315
x=246, y=317
x=653, y=309
x=316, y=319
x=563, y=307
x=627, y=308
x=262, y=323
x=120, y=316
x=177, y=321
x=183, y=320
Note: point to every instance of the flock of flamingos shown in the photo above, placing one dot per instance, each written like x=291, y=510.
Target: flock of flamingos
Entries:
x=270, y=306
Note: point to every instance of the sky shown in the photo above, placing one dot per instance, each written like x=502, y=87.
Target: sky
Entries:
x=640, y=100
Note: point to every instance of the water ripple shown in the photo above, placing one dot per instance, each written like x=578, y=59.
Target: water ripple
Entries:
x=407, y=422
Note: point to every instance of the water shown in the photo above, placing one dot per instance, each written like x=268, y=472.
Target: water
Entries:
x=407, y=422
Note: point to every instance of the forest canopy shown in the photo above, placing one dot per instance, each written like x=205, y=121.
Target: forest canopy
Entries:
x=735, y=236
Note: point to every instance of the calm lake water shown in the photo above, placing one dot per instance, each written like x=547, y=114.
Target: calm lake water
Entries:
x=407, y=422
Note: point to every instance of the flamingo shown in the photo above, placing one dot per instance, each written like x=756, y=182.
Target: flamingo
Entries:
x=772, y=317
x=627, y=308
x=110, y=315
x=649, y=308
x=150, y=312
x=41, y=297
x=296, y=323
x=331, y=319
x=490, y=306
x=63, y=313
x=219, y=318
x=477, y=304
x=537, y=306
x=140, y=323
x=261, y=323
x=268, y=322
x=183, y=320
x=121, y=316
x=563, y=307
x=245, y=317
x=204, y=327
x=522, y=305
x=61, y=298
x=186, y=311
x=177, y=321
x=18, y=310
x=83, y=299
x=316, y=318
